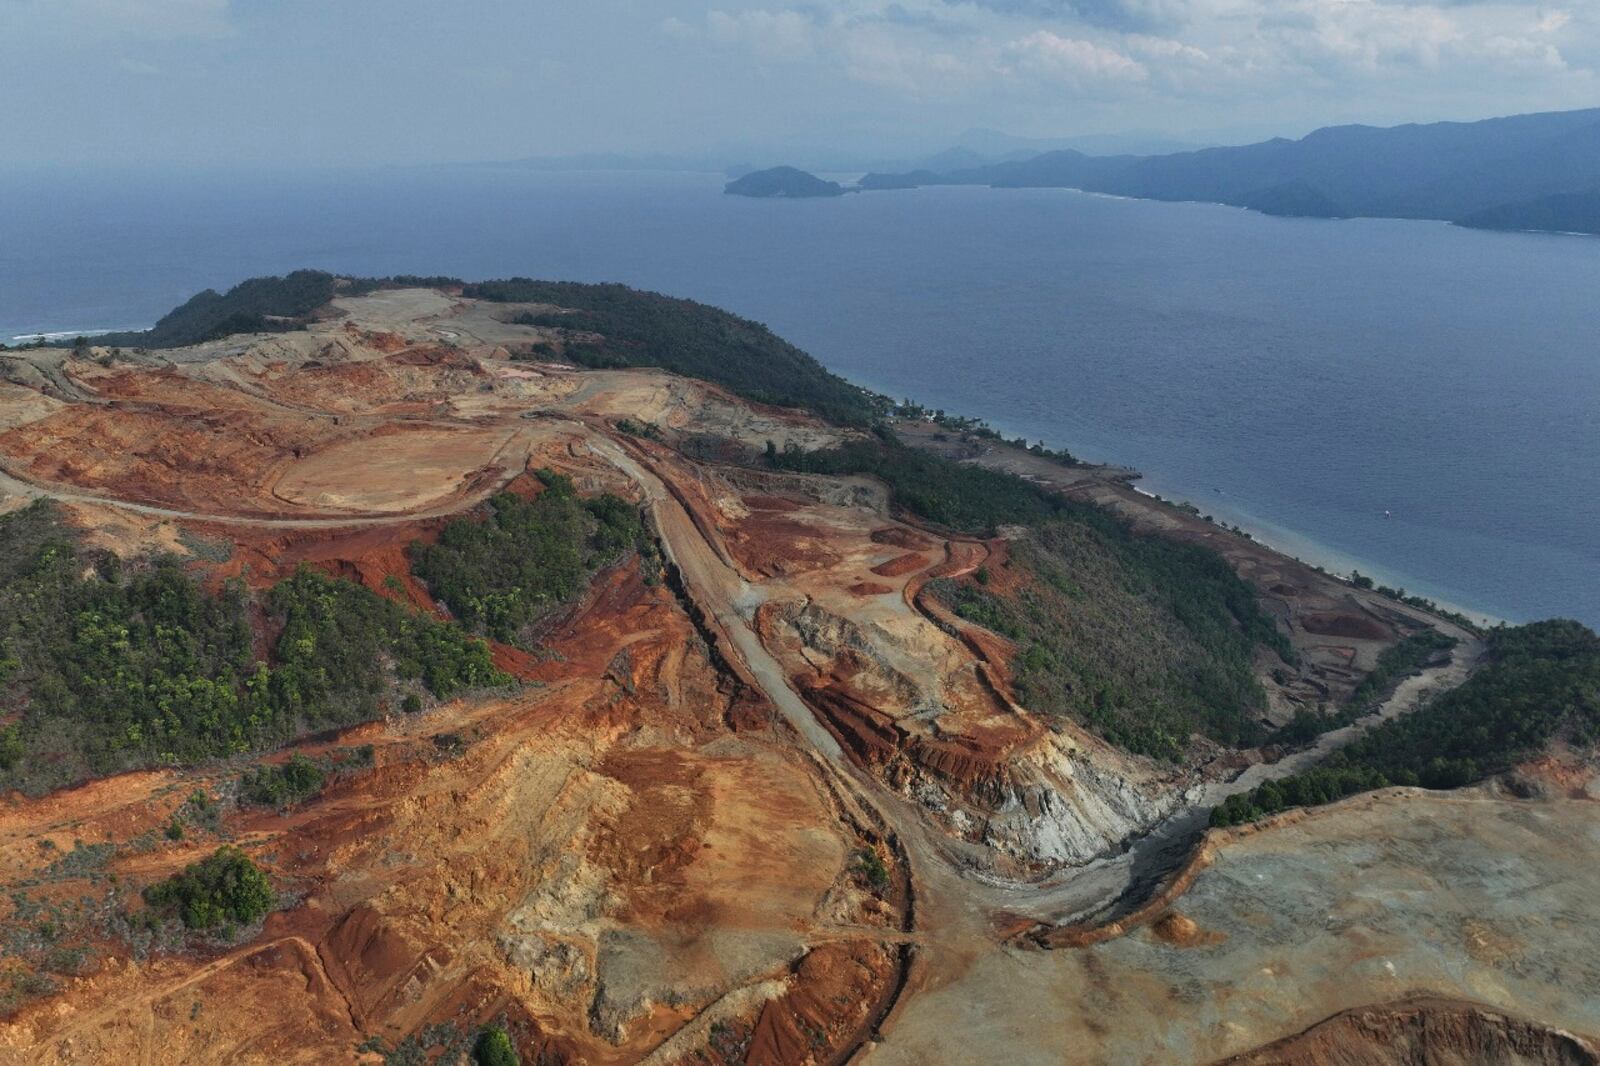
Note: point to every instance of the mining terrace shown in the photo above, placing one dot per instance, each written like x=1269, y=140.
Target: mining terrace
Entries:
x=652, y=850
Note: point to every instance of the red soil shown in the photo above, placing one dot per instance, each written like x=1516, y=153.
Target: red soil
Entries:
x=836, y=987
x=900, y=566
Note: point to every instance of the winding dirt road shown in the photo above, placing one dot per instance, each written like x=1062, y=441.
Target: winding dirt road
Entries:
x=723, y=595
x=955, y=906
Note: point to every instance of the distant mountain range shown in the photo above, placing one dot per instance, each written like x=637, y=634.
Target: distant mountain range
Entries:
x=974, y=148
x=1539, y=171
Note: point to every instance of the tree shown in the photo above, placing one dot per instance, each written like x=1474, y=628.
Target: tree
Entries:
x=277, y=786
x=224, y=889
x=494, y=1048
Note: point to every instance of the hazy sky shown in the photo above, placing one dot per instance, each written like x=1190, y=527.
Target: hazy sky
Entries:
x=314, y=81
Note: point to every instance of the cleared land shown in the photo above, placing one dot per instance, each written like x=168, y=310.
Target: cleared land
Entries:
x=760, y=797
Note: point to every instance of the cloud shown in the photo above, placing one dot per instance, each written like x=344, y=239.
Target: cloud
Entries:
x=1552, y=21
x=1464, y=3
x=880, y=59
x=1344, y=42
x=1081, y=63
x=1216, y=51
x=786, y=34
x=933, y=22
x=675, y=27
x=886, y=47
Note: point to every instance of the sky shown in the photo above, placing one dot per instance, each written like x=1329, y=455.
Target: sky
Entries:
x=340, y=82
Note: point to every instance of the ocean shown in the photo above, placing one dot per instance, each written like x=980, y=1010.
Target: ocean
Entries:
x=1409, y=398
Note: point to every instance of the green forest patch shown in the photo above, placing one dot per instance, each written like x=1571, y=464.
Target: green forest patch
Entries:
x=1540, y=682
x=109, y=666
x=502, y=574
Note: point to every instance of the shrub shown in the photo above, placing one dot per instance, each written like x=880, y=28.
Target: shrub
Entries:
x=278, y=786
x=872, y=868
x=1395, y=663
x=494, y=1048
x=223, y=890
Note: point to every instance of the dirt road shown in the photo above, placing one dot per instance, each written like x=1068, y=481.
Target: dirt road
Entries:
x=727, y=599
x=956, y=904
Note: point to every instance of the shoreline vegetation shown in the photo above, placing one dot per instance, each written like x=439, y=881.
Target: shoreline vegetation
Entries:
x=1469, y=618
x=980, y=430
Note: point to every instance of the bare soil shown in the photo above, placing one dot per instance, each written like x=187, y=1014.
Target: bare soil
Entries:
x=779, y=808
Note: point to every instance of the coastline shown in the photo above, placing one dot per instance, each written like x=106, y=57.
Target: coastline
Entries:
x=1302, y=547
x=1289, y=542
x=1078, y=339
x=51, y=336
x=1118, y=488
x=1294, y=543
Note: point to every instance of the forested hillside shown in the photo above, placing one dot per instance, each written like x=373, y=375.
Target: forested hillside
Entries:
x=109, y=665
x=604, y=326
x=616, y=326
x=1541, y=682
x=257, y=305
x=1572, y=212
x=501, y=574
x=1143, y=639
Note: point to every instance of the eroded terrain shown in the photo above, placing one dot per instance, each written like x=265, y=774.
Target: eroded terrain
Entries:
x=766, y=801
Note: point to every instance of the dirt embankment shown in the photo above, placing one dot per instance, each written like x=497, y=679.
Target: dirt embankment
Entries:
x=1425, y=1032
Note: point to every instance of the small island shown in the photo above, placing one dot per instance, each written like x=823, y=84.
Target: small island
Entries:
x=782, y=183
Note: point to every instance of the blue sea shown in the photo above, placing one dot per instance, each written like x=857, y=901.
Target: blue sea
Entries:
x=1409, y=398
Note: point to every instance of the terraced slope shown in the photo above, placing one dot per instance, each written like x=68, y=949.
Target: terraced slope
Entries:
x=756, y=790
